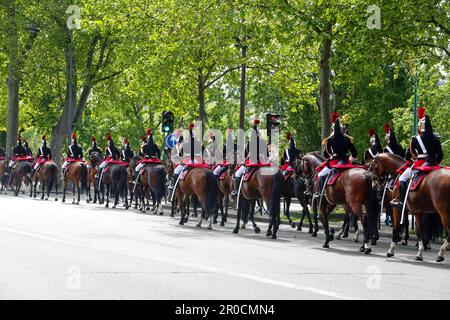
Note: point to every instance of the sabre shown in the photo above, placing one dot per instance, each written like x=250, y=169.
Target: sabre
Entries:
x=175, y=187
x=384, y=194
x=406, y=198
x=239, y=192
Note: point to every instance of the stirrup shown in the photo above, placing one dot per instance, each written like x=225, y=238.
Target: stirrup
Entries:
x=396, y=203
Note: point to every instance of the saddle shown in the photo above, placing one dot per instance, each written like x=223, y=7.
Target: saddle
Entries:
x=333, y=177
x=150, y=161
x=223, y=175
x=23, y=158
x=198, y=165
x=423, y=172
x=249, y=172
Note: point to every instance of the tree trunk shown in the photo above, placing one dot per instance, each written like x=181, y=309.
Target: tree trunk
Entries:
x=201, y=98
x=242, y=93
x=325, y=98
x=13, y=80
x=60, y=130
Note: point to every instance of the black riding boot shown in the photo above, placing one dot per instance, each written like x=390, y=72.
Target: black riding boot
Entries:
x=173, y=181
x=236, y=189
x=8, y=171
x=321, y=183
x=398, y=203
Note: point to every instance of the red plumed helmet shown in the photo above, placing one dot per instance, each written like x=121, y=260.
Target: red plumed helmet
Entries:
x=387, y=128
x=149, y=132
x=125, y=141
x=371, y=132
x=108, y=137
x=191, y=126
x=74, y=136
x=288, y=136
x=256, y=122
x=93, y=139
x=421, y=112
x=334, y=116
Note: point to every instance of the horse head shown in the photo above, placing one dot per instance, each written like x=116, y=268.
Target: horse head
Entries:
x=95, y=158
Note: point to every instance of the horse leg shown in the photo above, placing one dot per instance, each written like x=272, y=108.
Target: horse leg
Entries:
x=419, y=234
x=445, y=223
x=79, y=192
x=181, y=204
x=288, y=214
x=325, y=210
x=43, y=189
x=256, y=229
x=395, y=232
x=238, y=216
x=107, y=195
x=64, y=190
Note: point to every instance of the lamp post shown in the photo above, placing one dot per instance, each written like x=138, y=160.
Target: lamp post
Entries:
x=70, y=104
x=415, y=106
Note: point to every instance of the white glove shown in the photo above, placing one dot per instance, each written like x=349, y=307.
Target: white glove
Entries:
x=352, y=159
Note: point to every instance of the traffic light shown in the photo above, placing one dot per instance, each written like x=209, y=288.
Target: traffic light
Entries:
x=167, y=122
x=273, y=121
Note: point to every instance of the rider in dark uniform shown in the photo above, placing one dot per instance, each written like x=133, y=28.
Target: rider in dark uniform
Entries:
x=28, y=151
x=426, y=150
x=44, y=153
x=74, y=151
x=94, y=147
x=392, y=146
x=375, y=146
x=290, y=154
x=126, y=154
x=337, y=148
x=150, y=149
x=111, y=153
x=18, y=151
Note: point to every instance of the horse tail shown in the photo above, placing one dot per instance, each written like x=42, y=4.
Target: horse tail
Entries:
x=84, y=178
x=372, y=203
x=275, y=194
x=52, y=176
x=160, y=188
x=123, y=181
x=212, y=193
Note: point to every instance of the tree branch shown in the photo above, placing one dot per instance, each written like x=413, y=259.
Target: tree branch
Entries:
x=210, y=83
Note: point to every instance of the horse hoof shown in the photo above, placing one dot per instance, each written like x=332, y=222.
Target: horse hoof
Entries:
x=274, y=236
x=198, y=225
x=222, y=224
x=236, y=231
x=331, y=237
x=56, y=199
x=314, y=235
x=404, y=243
x=345, y=235
x=373, y=242
x=181, y=223
x=361, y=249
x=367, y=251
x=172, y=215
x=326, y=245
x=356, y=240
x=209, y=228
x=113, y=207
x=268, y=233
x=243, y=226
x=126, y=208
x=300, y=228
x=257, y=230
x=63, y=200
x=439, y=259
x=293, y=225
x=419, y=258
x=389, y=255
x=106, y=206
x=338, y=237
x=310, y=231
x=161, y=213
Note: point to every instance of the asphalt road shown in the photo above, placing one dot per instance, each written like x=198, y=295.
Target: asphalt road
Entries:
x=51, y=250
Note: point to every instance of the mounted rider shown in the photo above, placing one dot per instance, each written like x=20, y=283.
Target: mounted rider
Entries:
x=191, y=153
x=126, y=154
x=111, y=154
x=228, y=155
x=18, y=151
x=74, y=153
x=426, y=150
x=149, y=150
x=375, y=146
x=94, y=147
x=27, y=148
x=44, y=154
x=290, y=154
x=254, y=155
x=336, y=148
x=392, y=146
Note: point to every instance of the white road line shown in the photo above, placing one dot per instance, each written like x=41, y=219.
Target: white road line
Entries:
x=166, y=260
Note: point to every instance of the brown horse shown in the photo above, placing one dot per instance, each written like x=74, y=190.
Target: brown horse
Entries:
x=264, y=183
x=153, y=180
x=226, y=186
x=94, y=160
x=21, y=174
x=202, y=183
x=77, y=174
x=3, y=178
x=352, y=189
x=114, y=182
x=432, y=195
x=47, y=176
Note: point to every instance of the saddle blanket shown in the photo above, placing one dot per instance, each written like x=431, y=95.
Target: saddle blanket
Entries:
x=70, y=160
x=150, y=160
x=334, y=176
x=249, y=173
x=23, y=158
x=416, y=181
x=198, y=165
x=223, y=175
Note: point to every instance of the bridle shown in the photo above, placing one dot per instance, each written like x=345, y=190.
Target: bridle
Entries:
x=379, y=180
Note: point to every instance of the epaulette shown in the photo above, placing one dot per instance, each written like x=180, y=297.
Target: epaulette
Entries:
x=325, y=141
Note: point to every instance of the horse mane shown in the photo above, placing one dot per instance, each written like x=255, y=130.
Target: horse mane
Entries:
x=314, y=158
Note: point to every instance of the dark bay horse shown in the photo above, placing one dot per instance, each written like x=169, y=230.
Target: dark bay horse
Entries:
x=153, y=180
x=264, y=183
x=202, y=183
x=226, y=186
x=432, y=195
x=94, y=160
x=47, y=176
x=77, y=174
x=353, y=190
x=115, y=180
x=21, y=173
x=3, y=178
